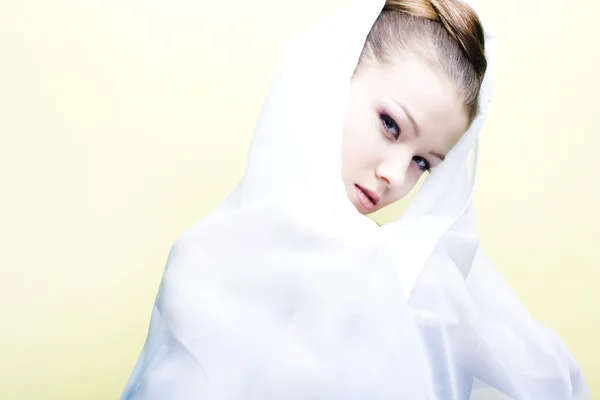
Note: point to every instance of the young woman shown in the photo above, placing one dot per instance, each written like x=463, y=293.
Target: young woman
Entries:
x=287, y=290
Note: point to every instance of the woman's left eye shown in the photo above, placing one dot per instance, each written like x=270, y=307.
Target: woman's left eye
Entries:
x=390, y=125
x=422, y=163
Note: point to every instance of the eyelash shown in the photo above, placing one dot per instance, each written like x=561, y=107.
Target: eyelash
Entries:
x=386, y=121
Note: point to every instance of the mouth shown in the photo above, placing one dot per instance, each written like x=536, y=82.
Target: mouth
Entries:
x=367, y=198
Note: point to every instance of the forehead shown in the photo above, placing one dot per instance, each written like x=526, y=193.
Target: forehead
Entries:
x=421, y=87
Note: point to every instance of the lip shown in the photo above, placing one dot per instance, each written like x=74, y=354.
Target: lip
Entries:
x=371, y=194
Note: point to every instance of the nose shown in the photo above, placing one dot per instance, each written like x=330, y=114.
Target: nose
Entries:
x=393, y=169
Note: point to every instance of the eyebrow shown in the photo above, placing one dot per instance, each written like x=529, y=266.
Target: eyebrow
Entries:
x=416, y=128
x=438, y=155
x=410, y=117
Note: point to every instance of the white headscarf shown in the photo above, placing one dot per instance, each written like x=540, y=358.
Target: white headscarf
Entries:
x=287, y=292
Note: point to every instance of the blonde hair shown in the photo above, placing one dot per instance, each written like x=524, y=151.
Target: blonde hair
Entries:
x=447, y=32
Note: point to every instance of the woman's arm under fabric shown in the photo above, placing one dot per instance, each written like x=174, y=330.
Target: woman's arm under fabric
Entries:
x=509, y=350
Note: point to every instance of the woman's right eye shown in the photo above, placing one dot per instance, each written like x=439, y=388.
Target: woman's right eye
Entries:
x=390, y=126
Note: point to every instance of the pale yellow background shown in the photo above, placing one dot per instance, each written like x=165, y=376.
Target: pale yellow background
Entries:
x=122, y=122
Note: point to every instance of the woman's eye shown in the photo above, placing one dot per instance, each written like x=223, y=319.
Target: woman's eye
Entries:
x=422, y=163
x=390, y=125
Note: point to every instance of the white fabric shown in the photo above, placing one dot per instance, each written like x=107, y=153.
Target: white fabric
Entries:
x=287, y=292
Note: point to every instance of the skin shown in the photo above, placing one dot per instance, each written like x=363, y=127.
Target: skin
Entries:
x=383, y=150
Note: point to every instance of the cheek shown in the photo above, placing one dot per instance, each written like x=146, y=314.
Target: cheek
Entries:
x=358, y=143
x=348, y=153
x=411, y=181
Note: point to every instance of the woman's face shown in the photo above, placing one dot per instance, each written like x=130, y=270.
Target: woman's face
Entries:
x=401, y=121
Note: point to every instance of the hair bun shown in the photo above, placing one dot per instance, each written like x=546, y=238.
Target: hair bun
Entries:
x=463, y=24
x=460, y=20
